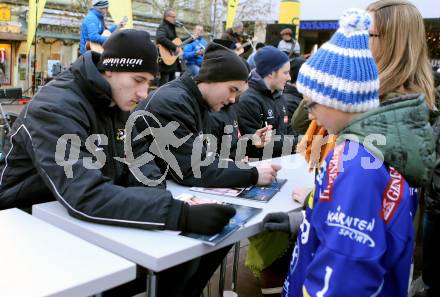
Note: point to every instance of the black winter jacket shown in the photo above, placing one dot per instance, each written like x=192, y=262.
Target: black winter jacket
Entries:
x=432, y=201
x=258, y=106
x=224, y=125
x=165, y=34
x=292, y=98
x=78, y=102
x=182, y=102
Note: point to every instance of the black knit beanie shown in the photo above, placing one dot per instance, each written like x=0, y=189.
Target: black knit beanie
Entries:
x=129, y=50
x=222, y=64
x=100, y=3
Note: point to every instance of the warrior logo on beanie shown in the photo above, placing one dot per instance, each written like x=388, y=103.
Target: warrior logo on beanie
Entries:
x=121, y=62
x=129, y=50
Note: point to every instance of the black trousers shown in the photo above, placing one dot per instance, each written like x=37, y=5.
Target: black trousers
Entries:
x=431, y=254
x=185, y=280
x=166, y=77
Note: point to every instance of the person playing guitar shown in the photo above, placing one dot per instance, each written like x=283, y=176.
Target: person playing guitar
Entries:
x=165, y=35
x=93, y=26
x=240, y=40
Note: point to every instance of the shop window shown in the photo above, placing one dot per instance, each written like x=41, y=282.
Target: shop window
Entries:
x=5, y=64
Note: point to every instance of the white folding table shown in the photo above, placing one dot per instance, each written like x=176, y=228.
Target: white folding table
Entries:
x=159, y=250
x=38, y=259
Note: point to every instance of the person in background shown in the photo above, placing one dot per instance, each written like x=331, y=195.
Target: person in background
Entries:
x=251, y=59
x=165, y=34
x=189, y=101
x=93, y=25
x=398, y=44
x=291, y=95
x=194, y=51
x=427, y=284
x=263, y=105
x=3, y=61
x=288, y=44
x=238, y=40
x=377, y=252
x=399, y=47
x=260, y=106
x=234, y=34
x=437, y=87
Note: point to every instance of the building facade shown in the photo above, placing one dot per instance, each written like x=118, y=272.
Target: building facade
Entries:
x=57, y=36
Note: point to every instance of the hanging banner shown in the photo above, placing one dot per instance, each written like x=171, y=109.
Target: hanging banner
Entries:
x=289, y=13
x=232, y=8
x=120, y=9
x=5, y=13
x=35, y=6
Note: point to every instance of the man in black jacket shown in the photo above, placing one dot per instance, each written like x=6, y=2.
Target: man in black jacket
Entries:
x=165, y=34
x=83, y=113
x=262, y=104
x=292, y=97
x=187, y=102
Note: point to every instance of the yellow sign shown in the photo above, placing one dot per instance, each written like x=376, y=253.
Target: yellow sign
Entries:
x=5, y=13
x=232, y=8
x=289, y=13
x=120, y=9
x=33, y=19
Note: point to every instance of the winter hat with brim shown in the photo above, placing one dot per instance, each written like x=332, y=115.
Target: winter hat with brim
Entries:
x=342, y=74
x=269, y=59
x=129, y=50
x=100, y=3
x=222, y=64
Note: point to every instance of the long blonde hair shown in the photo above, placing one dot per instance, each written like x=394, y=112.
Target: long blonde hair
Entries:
x=402, y=53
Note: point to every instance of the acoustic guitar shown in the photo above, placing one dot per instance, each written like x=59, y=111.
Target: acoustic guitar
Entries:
x=168, y=56
x=239, y=48
x=96, y=47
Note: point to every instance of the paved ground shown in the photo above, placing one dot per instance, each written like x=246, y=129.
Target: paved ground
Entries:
x=247, y=284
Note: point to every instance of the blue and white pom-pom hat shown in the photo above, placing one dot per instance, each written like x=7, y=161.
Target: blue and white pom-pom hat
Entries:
x=342, y=74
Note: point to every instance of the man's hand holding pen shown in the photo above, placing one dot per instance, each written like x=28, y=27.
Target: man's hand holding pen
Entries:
x=262, y=136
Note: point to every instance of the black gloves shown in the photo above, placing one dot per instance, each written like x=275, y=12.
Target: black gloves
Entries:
x=284, y=222
x=205, y=218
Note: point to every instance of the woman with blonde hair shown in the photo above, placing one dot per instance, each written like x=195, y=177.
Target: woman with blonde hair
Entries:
x=398, y=44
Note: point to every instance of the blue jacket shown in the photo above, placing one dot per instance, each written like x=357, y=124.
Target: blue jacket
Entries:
x=92, y=28
x=358, y=240
x=251, y=61
x=190, y=52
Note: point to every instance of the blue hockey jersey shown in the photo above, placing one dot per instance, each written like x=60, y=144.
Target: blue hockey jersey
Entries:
x=357, y=237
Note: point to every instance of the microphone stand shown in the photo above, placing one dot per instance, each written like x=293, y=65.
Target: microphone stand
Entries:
x=191, y=35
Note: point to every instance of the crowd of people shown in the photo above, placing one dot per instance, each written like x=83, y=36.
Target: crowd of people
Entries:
x=368, y=92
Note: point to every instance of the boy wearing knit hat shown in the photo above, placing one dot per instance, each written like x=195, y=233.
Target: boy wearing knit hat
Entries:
x=93, y=25
x=357, y=236
x=84, y=111
x=263, y=105
x=223, y=77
